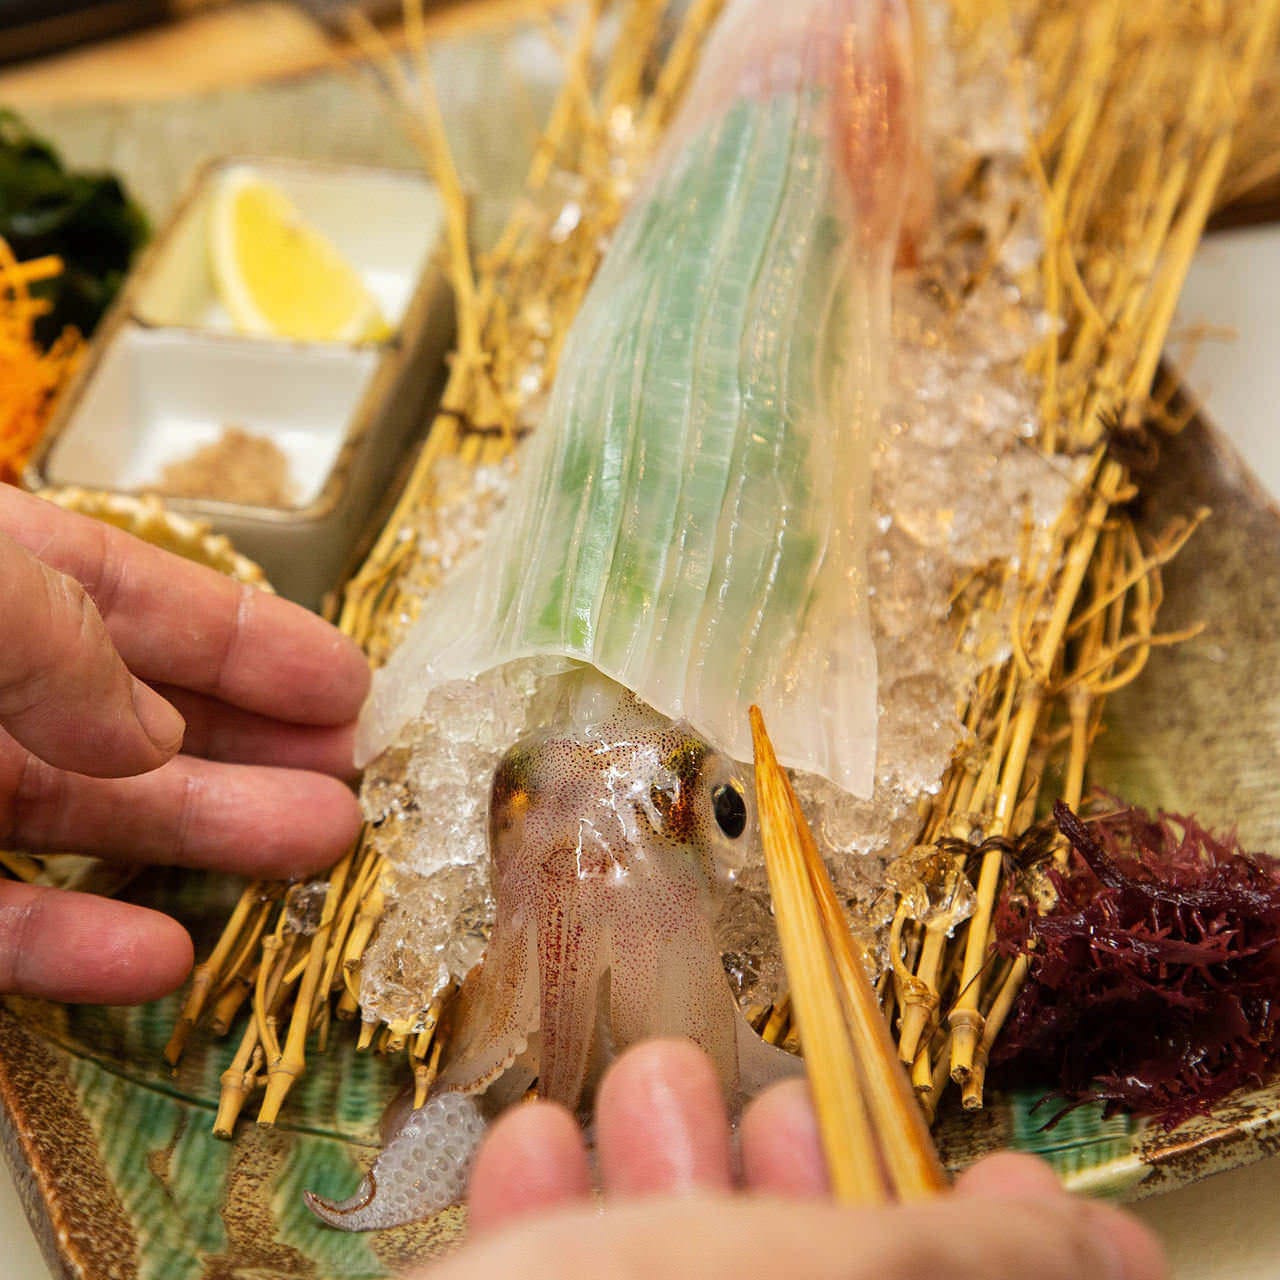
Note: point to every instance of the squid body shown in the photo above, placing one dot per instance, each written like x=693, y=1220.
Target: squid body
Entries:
x=686, y=537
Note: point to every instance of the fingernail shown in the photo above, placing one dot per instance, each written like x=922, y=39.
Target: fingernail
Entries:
x=661, y=1122
x=781, y=1144
x=671, y=1122
x=159, y=718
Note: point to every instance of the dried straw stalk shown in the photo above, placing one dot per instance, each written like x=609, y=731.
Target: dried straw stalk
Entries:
x=1141, y=103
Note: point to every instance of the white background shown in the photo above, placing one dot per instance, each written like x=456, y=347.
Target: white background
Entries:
x=1227, y=1228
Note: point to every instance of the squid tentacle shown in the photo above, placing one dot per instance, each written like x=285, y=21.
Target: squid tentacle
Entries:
x=423, y=1169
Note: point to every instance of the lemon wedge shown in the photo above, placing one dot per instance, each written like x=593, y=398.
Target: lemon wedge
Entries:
x=278, y=276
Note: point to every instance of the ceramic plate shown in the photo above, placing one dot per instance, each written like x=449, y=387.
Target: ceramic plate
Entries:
x=123, y=1178
x=113, y=1153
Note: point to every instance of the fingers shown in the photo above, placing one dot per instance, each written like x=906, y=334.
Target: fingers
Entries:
x=257, y=821
x=65, y=694
x=533, y=1159
x=1053, y=1237
x=781, y=1149
x=77, y=947
x=175, y=622
x=1009, y=1174
x=661, y=1128
x=216, y=731
x=1135, y=1249
x=723, y=1238
x=661, y=1124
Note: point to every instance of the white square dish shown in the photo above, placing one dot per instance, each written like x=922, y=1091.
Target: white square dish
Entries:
x=165, y=375
x=160, y=395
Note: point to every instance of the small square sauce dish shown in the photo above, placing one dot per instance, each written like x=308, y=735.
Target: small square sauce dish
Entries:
x=286, y=446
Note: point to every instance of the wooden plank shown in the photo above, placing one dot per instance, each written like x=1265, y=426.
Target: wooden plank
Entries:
x=212, y=48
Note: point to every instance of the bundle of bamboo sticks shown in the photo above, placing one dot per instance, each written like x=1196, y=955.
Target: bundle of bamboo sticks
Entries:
x=1142, y=103
x=1137, y=108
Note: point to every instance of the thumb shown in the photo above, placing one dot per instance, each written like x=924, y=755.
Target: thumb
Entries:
x=65, y=693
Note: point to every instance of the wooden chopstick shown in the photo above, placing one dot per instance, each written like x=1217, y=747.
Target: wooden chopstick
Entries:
x=875, y=1138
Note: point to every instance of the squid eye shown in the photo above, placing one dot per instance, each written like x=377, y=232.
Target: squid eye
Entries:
x=730, y=810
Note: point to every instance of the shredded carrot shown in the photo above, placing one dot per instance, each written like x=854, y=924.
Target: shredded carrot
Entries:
x=29, y=377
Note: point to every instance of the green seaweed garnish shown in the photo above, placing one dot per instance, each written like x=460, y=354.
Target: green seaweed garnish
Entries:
x=87, y=219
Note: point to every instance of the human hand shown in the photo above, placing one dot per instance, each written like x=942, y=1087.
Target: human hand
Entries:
x=671, y=1208
x=115, y=656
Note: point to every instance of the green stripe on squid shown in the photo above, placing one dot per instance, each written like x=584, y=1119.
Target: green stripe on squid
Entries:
x=697, y=488
x=671, y=397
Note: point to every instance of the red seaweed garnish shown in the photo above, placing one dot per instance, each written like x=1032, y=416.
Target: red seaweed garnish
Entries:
x=1154, y=981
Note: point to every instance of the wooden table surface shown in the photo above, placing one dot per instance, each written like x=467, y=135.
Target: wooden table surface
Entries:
x=207, y=49
x=212, y=45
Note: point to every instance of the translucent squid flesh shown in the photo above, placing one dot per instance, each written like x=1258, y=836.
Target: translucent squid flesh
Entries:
x=609, y=835
x=687, y=535
x=691, y=516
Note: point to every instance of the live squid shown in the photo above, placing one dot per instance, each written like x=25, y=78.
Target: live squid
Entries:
x=686, y=537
